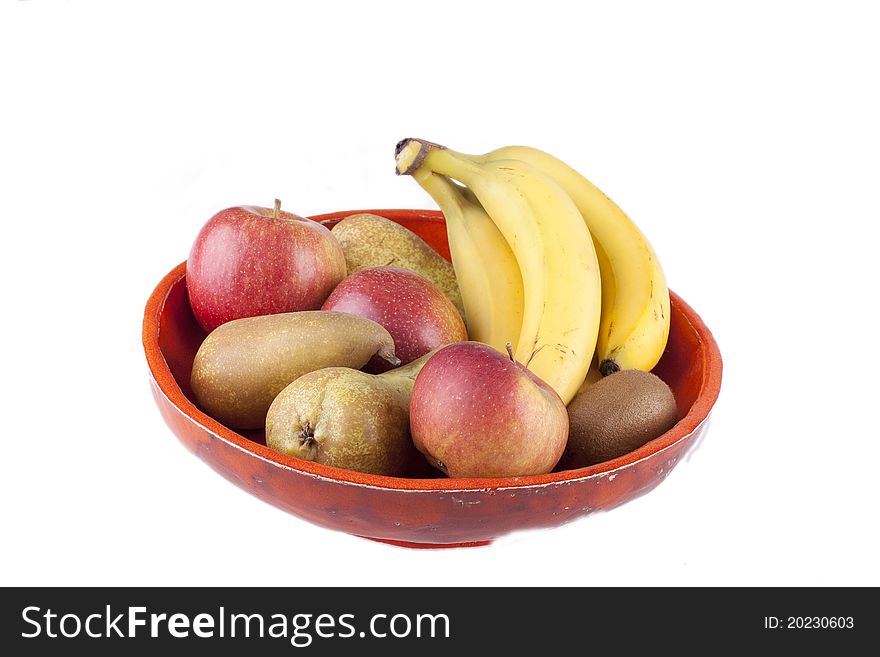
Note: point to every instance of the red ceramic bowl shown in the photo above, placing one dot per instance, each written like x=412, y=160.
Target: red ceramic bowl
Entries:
x=422, y=512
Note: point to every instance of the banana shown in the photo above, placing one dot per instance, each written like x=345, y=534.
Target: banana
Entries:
x=556, y=257
x=487, y=273
x=635, y=300
x=593, y=375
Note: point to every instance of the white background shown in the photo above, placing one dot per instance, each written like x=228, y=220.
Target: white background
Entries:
x=743, y=139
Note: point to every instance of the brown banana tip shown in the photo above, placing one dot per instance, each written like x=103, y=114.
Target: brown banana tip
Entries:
x=409, y=158
x=607, y=367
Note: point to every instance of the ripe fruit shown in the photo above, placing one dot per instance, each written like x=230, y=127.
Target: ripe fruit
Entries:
x=243, y=364
x=635, y=301
x=551, y=243
x=369, y=240
x=474, y=412
x=491, y=283
x=348, y=419
x=249, y=261
x=616, y=415
x=413, y=310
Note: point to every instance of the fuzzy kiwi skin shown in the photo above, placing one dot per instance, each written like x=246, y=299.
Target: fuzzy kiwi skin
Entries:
x=616, y=415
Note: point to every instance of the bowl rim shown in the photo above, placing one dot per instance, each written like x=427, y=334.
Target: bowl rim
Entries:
x=165, y=383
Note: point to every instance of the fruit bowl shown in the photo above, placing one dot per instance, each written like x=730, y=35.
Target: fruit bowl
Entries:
x=438, y=512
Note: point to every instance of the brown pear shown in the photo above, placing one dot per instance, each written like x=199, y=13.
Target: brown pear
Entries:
x=369, y=240
x=349, y=419
x=243, y=365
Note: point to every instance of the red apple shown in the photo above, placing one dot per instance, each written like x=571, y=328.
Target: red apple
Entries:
x=248, y=261
x=411, y=308
x=474, y=412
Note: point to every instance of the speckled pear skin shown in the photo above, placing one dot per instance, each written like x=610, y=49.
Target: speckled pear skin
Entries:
x=348, y=419
x=243, y=365
x=368, y=240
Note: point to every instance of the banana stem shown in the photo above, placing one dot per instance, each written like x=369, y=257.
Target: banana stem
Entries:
x=417, y=157
x=410, y=154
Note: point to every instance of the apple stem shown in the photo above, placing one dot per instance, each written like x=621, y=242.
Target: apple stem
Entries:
x=277, y=212
x=510, y=352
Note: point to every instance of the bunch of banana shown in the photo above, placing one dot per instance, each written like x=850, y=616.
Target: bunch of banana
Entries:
x=552, y=247
x=529, y=237
x=635, y=300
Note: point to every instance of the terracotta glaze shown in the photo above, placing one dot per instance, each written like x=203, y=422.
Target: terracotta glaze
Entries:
x=432, y=512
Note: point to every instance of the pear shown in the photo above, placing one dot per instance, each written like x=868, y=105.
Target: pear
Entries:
x=243, y=365
x=348, y=419
x=368, y=240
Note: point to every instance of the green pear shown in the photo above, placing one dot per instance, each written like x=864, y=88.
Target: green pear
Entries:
x=348, y=419
x=243, y=365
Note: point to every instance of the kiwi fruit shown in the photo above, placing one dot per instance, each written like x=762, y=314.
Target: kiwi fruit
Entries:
x=616, y=415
